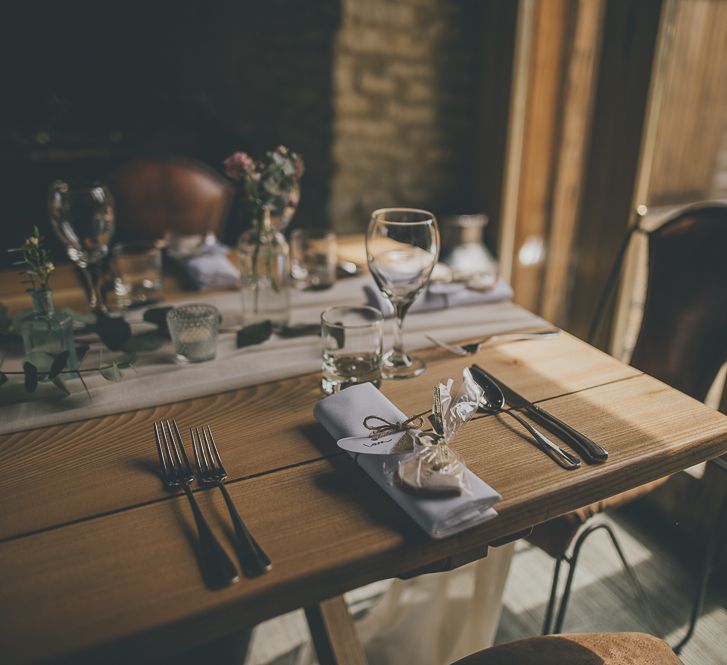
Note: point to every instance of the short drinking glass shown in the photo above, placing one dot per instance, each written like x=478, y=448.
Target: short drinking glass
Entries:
x=313, y=258
x=402, y=248
x=352, y=340
x=193, y=329
x=137, y=268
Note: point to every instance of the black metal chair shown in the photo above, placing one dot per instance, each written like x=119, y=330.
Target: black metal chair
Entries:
x=683, y=342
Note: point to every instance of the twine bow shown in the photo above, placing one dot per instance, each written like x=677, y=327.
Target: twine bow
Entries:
x=385, y=427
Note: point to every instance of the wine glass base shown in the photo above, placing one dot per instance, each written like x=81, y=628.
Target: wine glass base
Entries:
x=397, y=368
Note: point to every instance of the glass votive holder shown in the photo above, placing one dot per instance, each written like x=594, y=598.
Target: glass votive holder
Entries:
x=194, y=329
x=313, y=258
x=137, y=269
x=352, y=342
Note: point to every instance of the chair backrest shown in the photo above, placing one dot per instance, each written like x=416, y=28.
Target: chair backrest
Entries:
x=154, y=195
x=683, y=336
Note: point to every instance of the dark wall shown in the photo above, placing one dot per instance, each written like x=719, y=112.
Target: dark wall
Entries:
x=87, y=85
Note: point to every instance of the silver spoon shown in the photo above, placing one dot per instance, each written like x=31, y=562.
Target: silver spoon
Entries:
x=493, y=401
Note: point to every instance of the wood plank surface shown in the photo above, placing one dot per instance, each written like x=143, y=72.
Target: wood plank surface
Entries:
x=124, y=581
x=260, y=429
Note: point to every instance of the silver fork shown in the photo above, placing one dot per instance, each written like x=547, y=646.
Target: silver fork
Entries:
x=210, y=472
x=473, y=347
x=217, y=568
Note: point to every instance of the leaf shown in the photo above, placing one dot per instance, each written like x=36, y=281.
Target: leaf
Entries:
x=81, y=351
x=3, y=378
x=87, y=318
x=31, y=376
x=254, y=334
x=158, y=316
x=300, y=330
x=58, y=365
x=114, y=331
x=112, y=373
x=41, y=359
x=125, y=360
x=146, y=341
x=61, y=384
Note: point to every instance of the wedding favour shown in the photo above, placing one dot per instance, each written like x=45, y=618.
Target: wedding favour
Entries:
x=433, y=466
x=380, y=437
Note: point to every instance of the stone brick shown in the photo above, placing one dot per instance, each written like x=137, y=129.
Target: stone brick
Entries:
x=377, y=83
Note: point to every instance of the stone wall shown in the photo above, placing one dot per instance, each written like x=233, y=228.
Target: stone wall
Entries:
x=405, y=90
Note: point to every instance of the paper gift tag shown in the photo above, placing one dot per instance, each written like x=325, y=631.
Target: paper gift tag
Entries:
x=394, y=444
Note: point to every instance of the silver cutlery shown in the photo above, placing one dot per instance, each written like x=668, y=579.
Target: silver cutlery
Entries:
x=593, y=452
x=494, y=401
x=474, y=347
x=211, y=472
x=217, y=568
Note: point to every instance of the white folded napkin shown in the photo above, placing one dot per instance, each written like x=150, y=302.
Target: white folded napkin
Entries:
x=342, y=415
x=205, y=261
x=442, y=296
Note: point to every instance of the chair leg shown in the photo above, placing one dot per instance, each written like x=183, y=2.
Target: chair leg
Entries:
x=630, y=574
x=707, y=566
x=548, y=621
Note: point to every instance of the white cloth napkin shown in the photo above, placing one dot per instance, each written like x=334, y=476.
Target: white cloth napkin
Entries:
x=342, y=415
x=442, y=296
x=204, y=260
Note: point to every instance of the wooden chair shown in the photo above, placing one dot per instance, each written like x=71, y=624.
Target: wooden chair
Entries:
x=154, y=195
x=683, y=342
x=580, y=649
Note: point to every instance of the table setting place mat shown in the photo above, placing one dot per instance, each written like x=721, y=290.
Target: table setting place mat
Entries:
x=157, y=379
x=343, y=414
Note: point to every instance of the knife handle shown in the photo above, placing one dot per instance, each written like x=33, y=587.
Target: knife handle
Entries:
x=593, y=451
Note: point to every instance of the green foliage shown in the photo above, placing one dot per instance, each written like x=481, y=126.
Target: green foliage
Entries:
x=111, y=373
x=158, y=316
x=113, y=331
x=30, y=372
x=254, y=334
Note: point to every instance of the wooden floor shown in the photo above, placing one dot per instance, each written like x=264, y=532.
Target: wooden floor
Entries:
x=601, y=600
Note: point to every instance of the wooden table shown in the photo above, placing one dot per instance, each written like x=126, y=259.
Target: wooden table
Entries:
x=97, y=558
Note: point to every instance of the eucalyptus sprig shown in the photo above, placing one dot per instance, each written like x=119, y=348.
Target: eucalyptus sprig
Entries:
x=41, y=366
x=35, y=260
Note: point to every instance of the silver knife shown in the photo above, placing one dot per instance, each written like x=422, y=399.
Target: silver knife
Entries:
x=589, y=449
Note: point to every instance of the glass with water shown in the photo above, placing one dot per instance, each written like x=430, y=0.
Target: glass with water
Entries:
x=352, y=343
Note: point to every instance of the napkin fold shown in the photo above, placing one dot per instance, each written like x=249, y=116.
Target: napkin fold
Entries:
x=442, y=296
x=204, y=260
x=342, y=415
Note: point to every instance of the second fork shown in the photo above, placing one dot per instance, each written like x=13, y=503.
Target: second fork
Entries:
x=211, y=472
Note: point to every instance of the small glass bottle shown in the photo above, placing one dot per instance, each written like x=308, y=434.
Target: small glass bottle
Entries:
x=46, y=330
x=264, y=274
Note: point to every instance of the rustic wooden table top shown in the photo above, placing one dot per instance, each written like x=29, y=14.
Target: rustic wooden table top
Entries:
x=97, y=558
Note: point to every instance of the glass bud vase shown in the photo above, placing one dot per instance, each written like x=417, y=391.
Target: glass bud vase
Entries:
x=264, y=274
x=46, y=330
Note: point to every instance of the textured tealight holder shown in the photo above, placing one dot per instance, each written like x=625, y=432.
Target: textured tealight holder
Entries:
x=194, y=329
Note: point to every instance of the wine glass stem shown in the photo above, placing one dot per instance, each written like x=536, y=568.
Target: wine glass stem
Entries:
x=398, y=348
x=92, y=275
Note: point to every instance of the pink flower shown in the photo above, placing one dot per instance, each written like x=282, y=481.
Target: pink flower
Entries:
x=239, y=165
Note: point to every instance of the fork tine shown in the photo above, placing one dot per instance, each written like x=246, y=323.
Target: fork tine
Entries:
x=200, y=471
x=217, y=457
x=208, y=467
x=174, y=467
x=162, y=459
x=179, y=446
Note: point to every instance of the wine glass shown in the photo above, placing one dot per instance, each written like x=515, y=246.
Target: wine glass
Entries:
x=82, y=215
x=402, y=248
